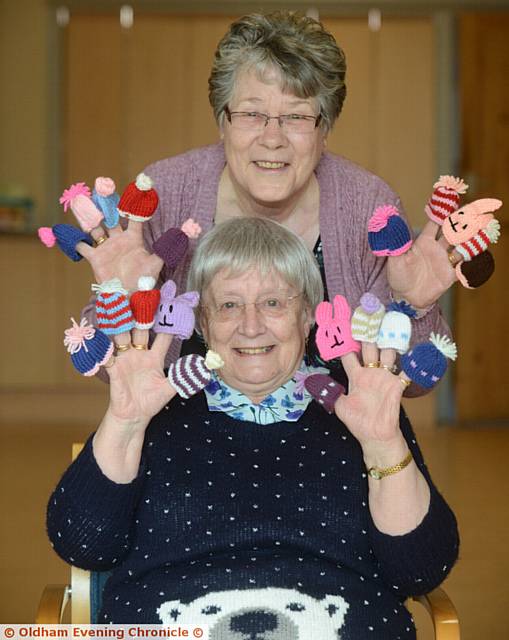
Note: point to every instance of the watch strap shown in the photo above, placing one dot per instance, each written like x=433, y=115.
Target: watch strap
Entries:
x=377, y=474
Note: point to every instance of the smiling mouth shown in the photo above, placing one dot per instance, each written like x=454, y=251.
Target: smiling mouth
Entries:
x=254, y=351
x=270, y=165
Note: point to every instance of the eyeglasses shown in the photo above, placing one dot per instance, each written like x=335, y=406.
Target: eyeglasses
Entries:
x=273, y=306
x=290, y=123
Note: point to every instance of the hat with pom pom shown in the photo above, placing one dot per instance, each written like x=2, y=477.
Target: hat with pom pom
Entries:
x=367, y=318
x=396, y=327
x=480, y=242
x=139, y=200
x=114, y=315
x=144, y=303
x=66, y=237
x=388, y=233
x=106, y=199
x=78, y=198
x=445, y=198
x=90, y=348
x=171, y=247
x=191, y=373
x=426, y=363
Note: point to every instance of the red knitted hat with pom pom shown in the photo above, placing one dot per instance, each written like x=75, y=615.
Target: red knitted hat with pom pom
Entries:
x=139, y=200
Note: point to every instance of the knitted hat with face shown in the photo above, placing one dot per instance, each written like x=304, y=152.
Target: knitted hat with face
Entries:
x=388, y=234
x=66, y=237
x=144, y=303
x=475, y=272
x=114, y=315
x=190, y=374
x=396, y=328
x=445, y=198
x=426, y=363
x=105, y=199
x=86, y=213
x=139, y=200
x=480, y=242
x=367, y=318
x=90, y=348
x=465, y=223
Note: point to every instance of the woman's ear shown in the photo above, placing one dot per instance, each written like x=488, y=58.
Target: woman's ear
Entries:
x=308, y=319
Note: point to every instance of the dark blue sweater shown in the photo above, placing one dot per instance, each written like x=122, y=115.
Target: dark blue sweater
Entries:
x=226, y=506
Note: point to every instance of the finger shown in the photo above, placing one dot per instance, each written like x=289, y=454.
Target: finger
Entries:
x=387, y=358
x=99, y=235
x=115, y=231
x=140, y=339
x=369, y=353
x=109, y=365
x=85, y=250
x=351, y=364
x=161, y=345
x=122, y=341
x=135, y=228
x=405, y=381
x=431, y=230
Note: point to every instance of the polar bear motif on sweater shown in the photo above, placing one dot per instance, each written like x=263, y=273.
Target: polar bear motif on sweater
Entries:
x=261, y=614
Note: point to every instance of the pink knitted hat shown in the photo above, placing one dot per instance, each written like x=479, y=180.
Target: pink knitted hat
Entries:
x=445, y=198
x=465, y=223
x=78, y=198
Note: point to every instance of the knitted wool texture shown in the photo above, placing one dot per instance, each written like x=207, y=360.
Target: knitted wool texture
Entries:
x=388, y=234
x=189, y=375
x=171, y=247
x=324, y=389
x=175, y=314
x=105, y=199
x=114, y=315
x=396, y=328
x=334, y=333
x=67, y=238
x=144, y=303
x=477, y=271
x=445, y=198
x=480, y=242
x=90, y=348
x=367, y=318
x=139, y=200
x=426, y=363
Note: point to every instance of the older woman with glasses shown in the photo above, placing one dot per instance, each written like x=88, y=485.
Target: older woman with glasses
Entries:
x=247, y=507
x=276, y=87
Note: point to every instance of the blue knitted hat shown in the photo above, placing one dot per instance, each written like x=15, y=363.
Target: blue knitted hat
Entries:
x=426, y=363
x=388, y=234
x=67, y=237
x=106, y=199
x=90, y=348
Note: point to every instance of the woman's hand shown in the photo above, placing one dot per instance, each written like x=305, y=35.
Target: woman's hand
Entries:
x=422, y=274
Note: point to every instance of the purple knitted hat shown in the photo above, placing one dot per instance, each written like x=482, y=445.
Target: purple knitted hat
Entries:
x=324, y=390
x=190, y=374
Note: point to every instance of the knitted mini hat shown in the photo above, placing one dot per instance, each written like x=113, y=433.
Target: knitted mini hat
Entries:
x=388, y=234
x=426, y=363
x=190, y=374
x=171, y=247
x=175, y=314
x=480, y=242
x=113, y=313
x=90, y=348
x=396, y=328
x=66, y=237
x=86, y=213
x=324, y=390
x=139, y=200
x=105, y=199
x=334, y=333
x=475, y=272
x=144, y=303
x=367, y=318
x=445, y=198
x=465, y=223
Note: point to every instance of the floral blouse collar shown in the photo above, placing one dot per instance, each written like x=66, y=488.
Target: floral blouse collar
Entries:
x=286, y=404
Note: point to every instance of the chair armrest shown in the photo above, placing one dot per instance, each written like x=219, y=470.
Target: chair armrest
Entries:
x=52, y=604
x=443, y=613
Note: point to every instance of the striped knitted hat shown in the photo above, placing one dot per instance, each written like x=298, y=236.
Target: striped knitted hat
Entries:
x=445, y=198
x=190, y=374
x=90, y=348
x=463, y=224
x=367, y=318
x=144, y=303
x=139, y=200
x=480, y=242
x=113, y=313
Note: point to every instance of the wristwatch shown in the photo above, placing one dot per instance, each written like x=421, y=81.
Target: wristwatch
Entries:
x=377, y=474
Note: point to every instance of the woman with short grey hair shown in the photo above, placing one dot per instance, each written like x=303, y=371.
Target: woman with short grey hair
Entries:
x=276, y=87
x=240, y=504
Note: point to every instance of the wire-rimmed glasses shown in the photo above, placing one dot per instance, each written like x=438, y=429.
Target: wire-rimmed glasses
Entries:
x=271, y=306
x=256, y=121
